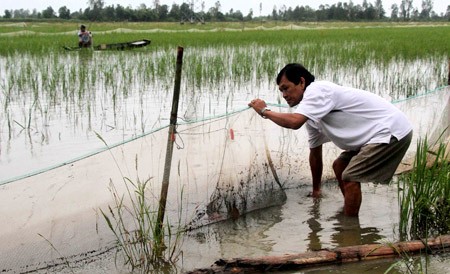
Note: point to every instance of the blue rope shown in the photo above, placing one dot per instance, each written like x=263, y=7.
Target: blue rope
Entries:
x=419, y=95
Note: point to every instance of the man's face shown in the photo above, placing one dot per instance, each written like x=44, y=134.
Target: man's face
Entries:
x=291, y=92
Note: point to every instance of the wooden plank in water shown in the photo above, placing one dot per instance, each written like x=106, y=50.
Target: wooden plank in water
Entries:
x=326, y=257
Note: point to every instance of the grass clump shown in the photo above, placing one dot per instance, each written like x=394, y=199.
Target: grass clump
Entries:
x=134, y=224
x=424, y=194
x=147, y=246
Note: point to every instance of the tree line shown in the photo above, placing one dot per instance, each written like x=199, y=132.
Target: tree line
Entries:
x=341, y=11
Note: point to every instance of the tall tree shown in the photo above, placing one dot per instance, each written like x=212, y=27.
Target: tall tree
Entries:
x=48, y=13
x=109, y=13
x=274, y=13
x=94, y=12
x=175, y=12
x=249, y=16
x=394, y=12
x=21, y=13
x=409, y=8
x=379, y=9
x=156, y=5
x=427, y=7
x=96, y=4
x=8, y=14
x=163, y=12
x=64, y=12
x=217, y=6
x=403, y=11
x=122, y=14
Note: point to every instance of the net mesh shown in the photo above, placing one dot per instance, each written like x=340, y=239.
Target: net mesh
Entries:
x=222, y=167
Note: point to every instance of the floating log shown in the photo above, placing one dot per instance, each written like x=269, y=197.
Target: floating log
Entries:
x=327, y=257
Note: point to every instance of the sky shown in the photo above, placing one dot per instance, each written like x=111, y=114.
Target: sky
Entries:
x=440, y=6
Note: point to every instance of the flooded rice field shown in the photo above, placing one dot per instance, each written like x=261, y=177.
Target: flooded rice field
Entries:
x=299, y=225
x=75, y=125
x=60, y=102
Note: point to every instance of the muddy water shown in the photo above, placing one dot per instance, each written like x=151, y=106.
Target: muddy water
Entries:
x=300, y=224
x=45, y=126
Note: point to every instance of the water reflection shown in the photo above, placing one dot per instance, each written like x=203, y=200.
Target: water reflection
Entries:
x=85, y=58
x=315, y=226
x=301, y=224
x=247, y=235
x=349, y=231
x=346, y=231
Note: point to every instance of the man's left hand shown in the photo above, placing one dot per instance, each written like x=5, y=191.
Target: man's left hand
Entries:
x=257, y=105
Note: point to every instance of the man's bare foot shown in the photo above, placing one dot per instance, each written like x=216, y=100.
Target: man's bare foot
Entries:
x=315, y=194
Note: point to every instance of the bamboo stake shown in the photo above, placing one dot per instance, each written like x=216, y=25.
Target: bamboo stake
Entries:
x=448, y=77
x=169, y=151
x=326, y=257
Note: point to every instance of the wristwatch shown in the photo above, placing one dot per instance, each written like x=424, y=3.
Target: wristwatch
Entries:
x=262, y=112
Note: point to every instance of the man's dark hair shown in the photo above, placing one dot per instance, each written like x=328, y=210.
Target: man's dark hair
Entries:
x=293, y=73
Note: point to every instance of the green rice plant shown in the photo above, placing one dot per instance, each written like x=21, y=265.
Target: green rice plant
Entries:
x=221, y=66
x=142, y=249
x=383, y=42
x=133, y=220
x=408, y=264
x=424, y=194
x=249, y=54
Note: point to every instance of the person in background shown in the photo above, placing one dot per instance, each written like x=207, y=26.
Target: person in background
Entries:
x=373, y=134
x=84, y=37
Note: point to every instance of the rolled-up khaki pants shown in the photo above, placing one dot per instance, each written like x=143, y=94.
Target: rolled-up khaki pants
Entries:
x=375, y=162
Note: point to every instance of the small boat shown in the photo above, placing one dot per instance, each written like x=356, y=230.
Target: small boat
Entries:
x=116, y=46
x=123, y=46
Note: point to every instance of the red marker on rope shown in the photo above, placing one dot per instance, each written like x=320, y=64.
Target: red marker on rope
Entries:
x=231, y=134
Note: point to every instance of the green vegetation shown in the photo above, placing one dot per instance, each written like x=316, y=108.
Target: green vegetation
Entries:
x=424, y=194
x=212, y=48
x=133, y=220
x=39, y=74
x=381, y=41
x=43, y=84
x=424, y=198
x=146, y=245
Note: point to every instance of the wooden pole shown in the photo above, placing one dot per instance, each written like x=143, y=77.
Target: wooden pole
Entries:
x=169, y=151
x=338, y=255
x=448, y=77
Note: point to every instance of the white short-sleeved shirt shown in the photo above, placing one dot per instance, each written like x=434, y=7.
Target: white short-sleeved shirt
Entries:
x=349, y=117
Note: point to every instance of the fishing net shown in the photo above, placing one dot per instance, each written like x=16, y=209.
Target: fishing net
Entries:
x=430, y=116
x=222, y=167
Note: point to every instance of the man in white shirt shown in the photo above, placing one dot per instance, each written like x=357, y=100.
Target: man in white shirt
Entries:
x=373, y=133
